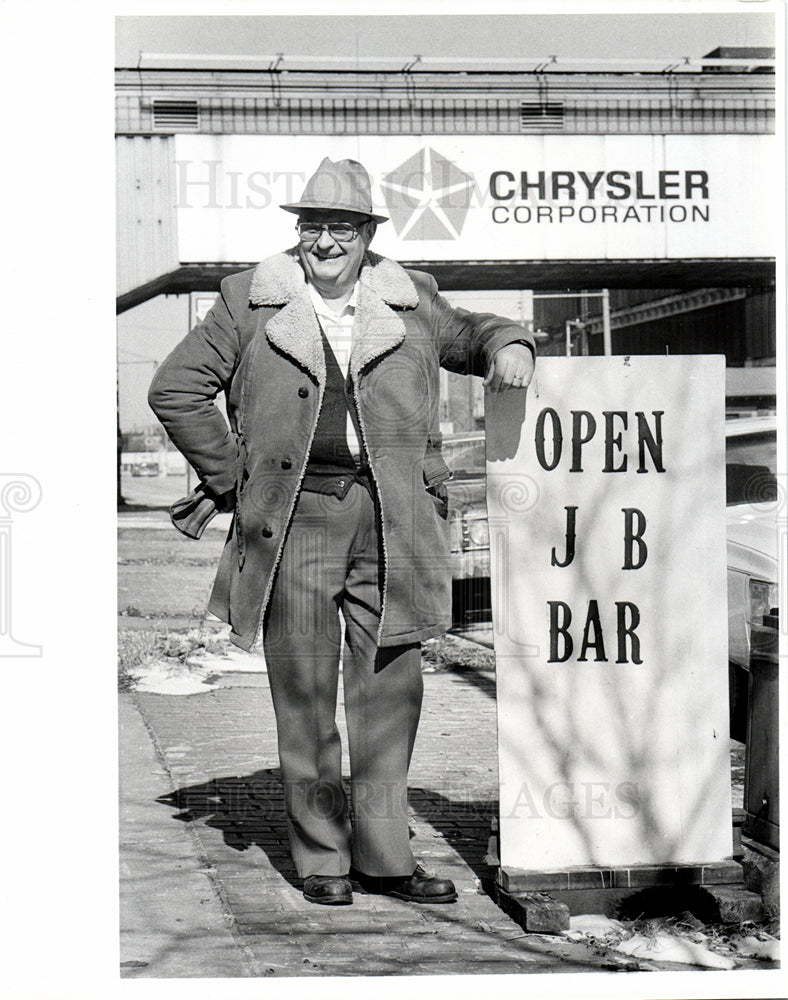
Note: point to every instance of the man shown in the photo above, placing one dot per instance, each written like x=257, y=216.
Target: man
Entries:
x=329, y=358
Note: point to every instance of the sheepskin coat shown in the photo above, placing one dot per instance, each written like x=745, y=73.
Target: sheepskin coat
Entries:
x=261, y=344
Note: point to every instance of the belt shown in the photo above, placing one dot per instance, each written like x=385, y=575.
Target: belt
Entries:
x=337, y=484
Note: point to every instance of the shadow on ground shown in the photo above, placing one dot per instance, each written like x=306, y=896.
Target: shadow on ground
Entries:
x=483, y=681
x=249, y=811
x=465, y=824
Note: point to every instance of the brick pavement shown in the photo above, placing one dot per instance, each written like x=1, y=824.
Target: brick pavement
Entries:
x=208, y=888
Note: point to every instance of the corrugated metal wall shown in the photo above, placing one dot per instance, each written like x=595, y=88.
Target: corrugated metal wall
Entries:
x=452, y=116
x=334, y=103
x=760, y=324
x=744, y=329
x=145, y=194
x=721, y=329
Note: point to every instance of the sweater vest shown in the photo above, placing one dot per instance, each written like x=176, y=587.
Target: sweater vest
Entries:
x=330, y=454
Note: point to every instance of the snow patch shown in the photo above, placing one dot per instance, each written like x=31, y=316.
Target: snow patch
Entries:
x=667, y=948
x=592, y=925
x=163, y=677
x=233, y=661
x=752, y=947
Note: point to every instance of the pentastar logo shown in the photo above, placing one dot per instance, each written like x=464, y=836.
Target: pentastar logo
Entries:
x=428, y=197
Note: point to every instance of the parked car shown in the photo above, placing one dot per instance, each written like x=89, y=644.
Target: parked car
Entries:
x=751, y=488
x=145, y=469
x=469, y=531
x=752, y=494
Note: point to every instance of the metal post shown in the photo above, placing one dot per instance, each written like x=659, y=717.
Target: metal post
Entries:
x=569, y=338
x=607, y=340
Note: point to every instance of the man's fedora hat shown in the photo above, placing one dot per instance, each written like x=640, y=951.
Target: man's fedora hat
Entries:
x=343, y=185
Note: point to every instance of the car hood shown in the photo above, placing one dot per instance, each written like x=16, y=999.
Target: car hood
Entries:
x=752, y=540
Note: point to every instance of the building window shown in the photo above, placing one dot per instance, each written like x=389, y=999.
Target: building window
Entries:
x=541, y=117
x=176, y=114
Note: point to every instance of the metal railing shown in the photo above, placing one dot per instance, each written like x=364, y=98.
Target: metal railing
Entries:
x=280, y=61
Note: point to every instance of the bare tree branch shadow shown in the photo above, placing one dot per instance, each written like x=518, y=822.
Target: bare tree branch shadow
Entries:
x=483, y=681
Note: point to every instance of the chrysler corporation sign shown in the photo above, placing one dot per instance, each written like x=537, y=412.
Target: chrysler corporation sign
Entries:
x=614, y=197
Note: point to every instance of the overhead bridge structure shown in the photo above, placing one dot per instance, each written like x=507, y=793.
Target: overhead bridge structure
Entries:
x=650, y=179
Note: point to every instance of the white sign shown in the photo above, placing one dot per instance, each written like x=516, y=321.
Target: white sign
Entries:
x=607, y=524
x=531, y=197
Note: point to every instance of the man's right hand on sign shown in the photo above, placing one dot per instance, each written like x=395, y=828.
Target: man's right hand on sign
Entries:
x=511, y=368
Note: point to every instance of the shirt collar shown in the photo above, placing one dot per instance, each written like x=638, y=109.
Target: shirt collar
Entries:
x=323, y=308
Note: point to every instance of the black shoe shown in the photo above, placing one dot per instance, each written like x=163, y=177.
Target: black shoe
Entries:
x=330, y=890
x=420, y=887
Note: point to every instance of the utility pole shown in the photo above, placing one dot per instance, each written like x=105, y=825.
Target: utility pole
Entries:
x=604, y=294
x=607, y=338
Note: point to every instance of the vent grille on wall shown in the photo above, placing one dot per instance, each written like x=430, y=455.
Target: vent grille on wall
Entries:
x=538, y=117
x=176, y=114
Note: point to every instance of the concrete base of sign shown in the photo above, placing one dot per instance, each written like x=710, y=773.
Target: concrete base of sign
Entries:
x=535, y=912
x=735, y=905
x=634, y=877
x=542, y=902
x=549, y=913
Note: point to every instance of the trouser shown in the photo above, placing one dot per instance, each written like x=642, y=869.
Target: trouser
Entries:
x=330, y=563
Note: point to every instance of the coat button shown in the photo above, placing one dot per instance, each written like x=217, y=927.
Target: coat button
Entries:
x=286, y=463
x=266, y=532
x=303, y=392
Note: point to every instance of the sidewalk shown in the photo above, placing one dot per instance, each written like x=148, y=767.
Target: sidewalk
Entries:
x=207, y=887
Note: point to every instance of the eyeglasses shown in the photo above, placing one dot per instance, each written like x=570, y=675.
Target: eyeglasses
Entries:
x=342, y=232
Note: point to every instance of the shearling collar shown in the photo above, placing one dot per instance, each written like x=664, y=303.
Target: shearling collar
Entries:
x=278, y=279
x=383, y=284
